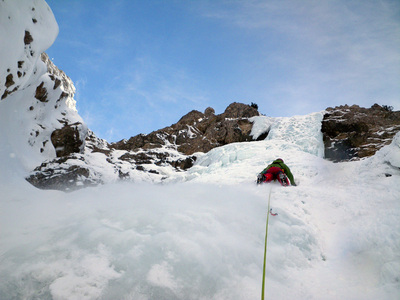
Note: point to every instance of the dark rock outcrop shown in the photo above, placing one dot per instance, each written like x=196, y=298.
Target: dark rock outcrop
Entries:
x=194, y=132
x=67, y=140
x=197, y=131
x=41, y=93
x=28, y=38
x=9, y=81
x=353, y=132
x=239, y=110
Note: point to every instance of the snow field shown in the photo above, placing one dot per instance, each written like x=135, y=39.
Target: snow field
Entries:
x=170, y=248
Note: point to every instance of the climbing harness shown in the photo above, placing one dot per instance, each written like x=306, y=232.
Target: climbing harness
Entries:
x=265, y=245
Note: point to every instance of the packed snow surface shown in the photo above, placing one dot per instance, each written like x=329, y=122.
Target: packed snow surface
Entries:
x=200, y=235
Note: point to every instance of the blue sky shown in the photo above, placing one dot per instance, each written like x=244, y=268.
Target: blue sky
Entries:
x=139, y=66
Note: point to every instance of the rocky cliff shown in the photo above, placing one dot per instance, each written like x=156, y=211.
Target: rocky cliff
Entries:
x=198, y=132
x=354, y=132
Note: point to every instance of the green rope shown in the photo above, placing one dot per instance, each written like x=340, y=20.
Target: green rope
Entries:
x=265, y=247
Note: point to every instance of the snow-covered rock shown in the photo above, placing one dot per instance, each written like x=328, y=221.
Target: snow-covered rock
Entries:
x=36, y=97
x=152, y=157
x=28, y=28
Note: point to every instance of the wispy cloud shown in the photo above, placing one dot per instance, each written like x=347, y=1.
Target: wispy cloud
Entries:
x=334, y=51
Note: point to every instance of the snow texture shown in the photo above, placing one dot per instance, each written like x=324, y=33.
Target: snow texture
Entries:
x=200, y=235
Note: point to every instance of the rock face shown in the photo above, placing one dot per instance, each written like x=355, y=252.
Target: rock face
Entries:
x=198, y=132
x=353, y=132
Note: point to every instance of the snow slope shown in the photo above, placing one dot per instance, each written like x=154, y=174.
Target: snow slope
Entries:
x=201, y=235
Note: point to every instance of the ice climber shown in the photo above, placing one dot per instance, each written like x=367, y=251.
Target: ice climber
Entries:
x=276, y=170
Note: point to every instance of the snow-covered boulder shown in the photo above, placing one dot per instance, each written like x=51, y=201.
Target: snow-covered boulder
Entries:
x=36, y=97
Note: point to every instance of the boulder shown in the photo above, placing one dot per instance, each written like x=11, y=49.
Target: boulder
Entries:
x=63, y=174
